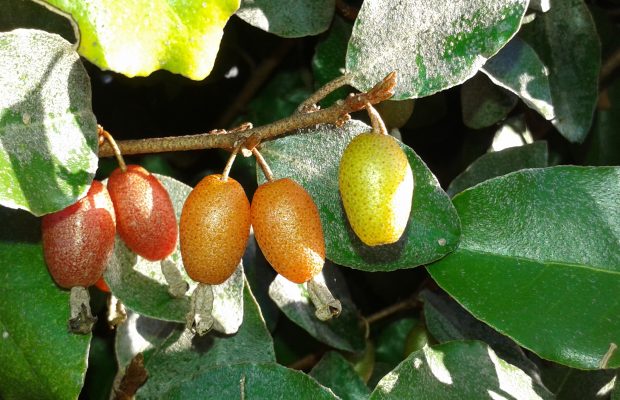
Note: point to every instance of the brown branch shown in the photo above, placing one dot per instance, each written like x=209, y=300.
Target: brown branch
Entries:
x=249, y=138
x=305, y=362
x=346, y=10
x=610, y=65
x=406, y=304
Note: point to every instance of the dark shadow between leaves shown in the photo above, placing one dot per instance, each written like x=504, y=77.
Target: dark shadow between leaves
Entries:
x=19, y=226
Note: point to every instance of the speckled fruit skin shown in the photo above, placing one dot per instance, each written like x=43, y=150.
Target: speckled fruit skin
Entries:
x=376, y=186
x=215, y=226
x=144, y=213
x=78, y=241
x=288, y=229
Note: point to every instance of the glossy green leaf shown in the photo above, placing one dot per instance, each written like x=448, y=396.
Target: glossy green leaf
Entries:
x=336, y=373
x=141, y=285
x=291, y=19
x=250, y=381
x=181, y=357
x=29, y=14
x=446, y=321
x=566, y=41
x=343, y=333
x=329, y=59
x=48, y=133
x=138, y=37
x=390, y=342
x=484, y=104
x=539, y=261
x=499, y=163
x=311, y=157
x=517, y=68
x=40, y=358
x=604, y=149
x=457, y=370
x=432, y=48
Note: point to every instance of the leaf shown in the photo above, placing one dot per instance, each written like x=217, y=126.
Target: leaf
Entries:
x=517, y=68
x=141, y=285
x=573, y=384
x=446, y=320
x=328, y=62
x=538, y=261
x=40, y=358
x=499, y=163
x=604, y=148
x=344, y=332
x=432, y=48
x=29, y=14
x=138, y=37
x=311, y=157
x=484, y=104
x=566, y=41
x=48, y=133
x=457, y=370
x=336, y=373
x=169, y=363
x=390, y=343
x=250, y=381
x=290, y=20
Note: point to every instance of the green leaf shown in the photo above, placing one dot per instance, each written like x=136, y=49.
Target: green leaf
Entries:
x=499, y=163
x=336, y=373
x=539, y=261
x=431, y=48
x=181, y=357
x=457, y=370
x=48, y=133
x=138, y=37
x=40, y=358
x=250, y=381
x=604, y=148
x=517, y=68
x=483, y=103
x=311, y=157
x=141, y=285
x=573, y=384
x=344, y=332
x=390, y=343
x=565, y=39
x=29, y=14
x=291, y=20
x=329, y=59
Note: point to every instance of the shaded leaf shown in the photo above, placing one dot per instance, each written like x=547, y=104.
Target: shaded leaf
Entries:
x=457, y=370
x=432, y=48
x=539, y=262
x=141, y=285
x=138, y=37
x=169, y=362
x=336, y=373
x=290, y=19
x=574, y=384
x=517, y=68
x=29, y=14
x=344, y=332
x=311, y=157
x=604, y=147
x=499, y=163
x=48, y=133
x=566, y=41
x=390, y=343
x=250, y=381
x=483, y=103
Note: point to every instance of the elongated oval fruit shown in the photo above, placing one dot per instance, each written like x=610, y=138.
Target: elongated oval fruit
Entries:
x=78, y=240
x=376, y=186
x=144, y=212
x=214, y=229
x=288, y=229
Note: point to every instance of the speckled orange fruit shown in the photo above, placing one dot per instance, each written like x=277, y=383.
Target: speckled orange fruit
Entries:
x=288, y=229
x=102, y=285
x=215, y=226
x=144, y=212
x=78, y=240
x=376, y=186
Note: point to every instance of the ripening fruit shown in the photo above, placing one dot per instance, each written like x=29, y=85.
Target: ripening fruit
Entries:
x=102, y=285
x=376, y=186
x=416, y=339
x=78, y=241
x=144, y=212
x=288, y=229
x=214, y=227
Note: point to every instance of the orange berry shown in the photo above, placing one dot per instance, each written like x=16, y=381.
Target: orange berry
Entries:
x=214, y=228
x=144, y=211
x=288, y=229
x=78, y=240
x=101, y=285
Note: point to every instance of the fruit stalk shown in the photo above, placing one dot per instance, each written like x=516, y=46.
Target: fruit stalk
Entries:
x=117, y=152
x=82, y=319
x=375, y=119
x=327, y=307
x=263, y=164
x=200, y=317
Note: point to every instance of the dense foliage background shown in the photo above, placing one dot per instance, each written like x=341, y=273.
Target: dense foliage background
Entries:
x=510, y=269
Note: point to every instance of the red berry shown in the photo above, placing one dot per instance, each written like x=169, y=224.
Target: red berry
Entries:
x=144, y=213
x=102, y=285
x=78, y=241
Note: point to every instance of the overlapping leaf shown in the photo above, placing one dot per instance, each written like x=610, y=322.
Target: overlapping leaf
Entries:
x=336, y=373
x=483, y=103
